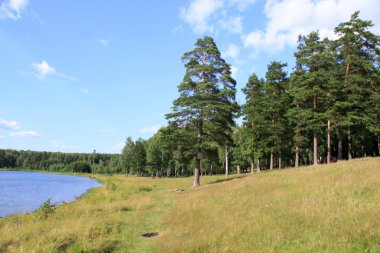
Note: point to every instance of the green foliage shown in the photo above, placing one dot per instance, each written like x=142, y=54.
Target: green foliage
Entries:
x=206, y=105
x=80, y=167
x=111, y=186
x=45, y=210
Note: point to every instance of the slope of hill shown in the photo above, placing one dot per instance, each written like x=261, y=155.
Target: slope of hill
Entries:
x=326, y=208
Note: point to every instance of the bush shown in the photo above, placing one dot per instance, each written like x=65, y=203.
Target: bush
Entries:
x=45, y=210
x=82, y=167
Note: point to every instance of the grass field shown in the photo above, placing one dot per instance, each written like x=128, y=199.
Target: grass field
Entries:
x=326, y=208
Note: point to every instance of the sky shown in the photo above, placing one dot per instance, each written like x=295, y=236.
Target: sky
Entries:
x=79, y=76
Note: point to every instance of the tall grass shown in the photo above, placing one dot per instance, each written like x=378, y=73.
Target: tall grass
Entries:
x=327, y=208
x=106, y=219
x=324, y=208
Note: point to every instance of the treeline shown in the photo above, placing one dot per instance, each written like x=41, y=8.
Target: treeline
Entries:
x=327, y=109
x=61, y=162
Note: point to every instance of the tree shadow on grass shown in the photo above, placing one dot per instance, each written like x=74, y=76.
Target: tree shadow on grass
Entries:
x=226, y=179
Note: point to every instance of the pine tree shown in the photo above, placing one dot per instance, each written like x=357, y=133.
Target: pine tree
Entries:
x=207, y=99
x=359, y=52
x=310, y=90
x=254, y=117
x=277, y=103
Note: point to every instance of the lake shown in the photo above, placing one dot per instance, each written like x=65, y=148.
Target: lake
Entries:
x=22, y=192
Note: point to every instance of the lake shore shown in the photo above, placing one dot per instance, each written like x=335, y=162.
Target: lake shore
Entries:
x=330, y=208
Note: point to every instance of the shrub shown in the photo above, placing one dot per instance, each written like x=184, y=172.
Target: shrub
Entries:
x=45, y=209
x=82, y=167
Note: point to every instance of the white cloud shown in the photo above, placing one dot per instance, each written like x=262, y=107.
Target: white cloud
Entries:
x=104, y=42
x=234, y=71
x=232, y=52
x=8, y=124
x=11, y=9
x=198, y=14
x=232, y=24
x=150, y=130
x=289, y=18
x=84, y=90
x=177, y=29
x=60, y=145
x=2, y=137
x=44, y=69
x=24, y=134
x=242, y=4
x=117, y=148
x=209, y=16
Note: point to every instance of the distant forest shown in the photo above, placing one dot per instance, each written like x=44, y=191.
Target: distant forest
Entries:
x=327, y=109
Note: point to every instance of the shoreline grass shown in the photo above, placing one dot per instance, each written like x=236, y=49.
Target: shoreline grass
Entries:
x=328, y=208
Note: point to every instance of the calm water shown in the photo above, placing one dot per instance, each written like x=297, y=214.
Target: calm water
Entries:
x=22, y=192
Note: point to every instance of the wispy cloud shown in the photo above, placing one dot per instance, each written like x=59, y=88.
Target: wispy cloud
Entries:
x=242, y=4
x=8, y=124
x=150, y=130
x=12, y=9
x=108, y=130
x=198, y=14
x=25, y=134
x=2, y=137
x=232, y=51
x=117, y=148
x=43, y=70
x=209, y=16
x=232, y=24
x=84, y=90
x=104, y=42
x=61, y=146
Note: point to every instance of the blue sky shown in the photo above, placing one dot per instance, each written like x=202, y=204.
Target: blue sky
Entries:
x=82, y=75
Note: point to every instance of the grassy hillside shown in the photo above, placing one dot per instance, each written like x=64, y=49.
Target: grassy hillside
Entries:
x=324, y=208
x=315, y=209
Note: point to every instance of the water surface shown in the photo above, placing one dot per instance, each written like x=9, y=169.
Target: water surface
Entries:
x=22, y=192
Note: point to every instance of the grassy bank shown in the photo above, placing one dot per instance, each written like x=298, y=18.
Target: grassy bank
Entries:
x=324, y=208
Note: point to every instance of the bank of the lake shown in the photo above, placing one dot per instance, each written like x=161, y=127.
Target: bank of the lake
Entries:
x=23, y=191
x=325, y=208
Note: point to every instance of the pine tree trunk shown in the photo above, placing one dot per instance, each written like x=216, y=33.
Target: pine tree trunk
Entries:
x=328, y=142
x=349, y=143
x=258, y=165
x=197, y=171
x=251, y=167
x=315, y=149
x=340, y=144
x=226, y=153
x=198, y=157
x=238, y=169
x=271, y=161
x=279, y=160
x=297, y=161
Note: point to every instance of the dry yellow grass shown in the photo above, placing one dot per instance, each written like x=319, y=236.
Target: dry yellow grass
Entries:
x=111, y=218
x=327, y=208
x=324, y=208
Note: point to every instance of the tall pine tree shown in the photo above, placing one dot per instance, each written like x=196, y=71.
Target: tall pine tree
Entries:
x=358, y=50
x=207, y=99
x=310, y=90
